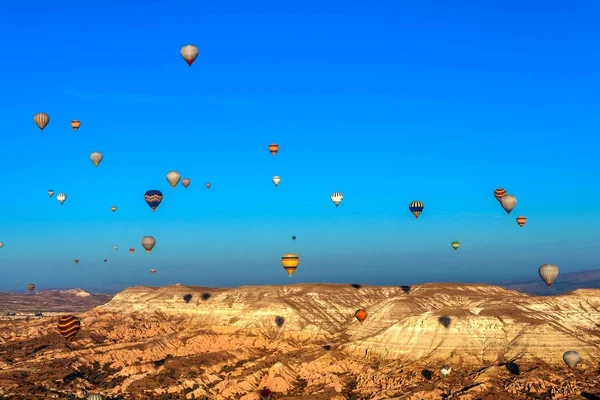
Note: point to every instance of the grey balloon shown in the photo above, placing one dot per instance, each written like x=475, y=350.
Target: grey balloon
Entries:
x=549, y=273
x=508, y=202
x=571, y=358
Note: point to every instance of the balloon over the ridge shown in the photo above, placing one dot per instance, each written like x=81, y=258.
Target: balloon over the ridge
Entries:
x=276, y=179
x=508, y=203
x=152, y=271
x=499, y=193
x=361, y=315
x=273, y=148
x=571, y=358
x=69, y=326
x=75, y=124
x=96, y=158
x=186, y=182
x=153, y=198
x=455, y=245
x=548, y=273
x=148, y=243
x=416, y=208
x=290, y=262
x=113, y=208
x=521, y=220
x=61, y=197
x=189, y=53
x=173, y=178
x=50, y=193
x=208, y=185
x=337, y=198
x=41, y=120
x=445, y=371
x=31, y=286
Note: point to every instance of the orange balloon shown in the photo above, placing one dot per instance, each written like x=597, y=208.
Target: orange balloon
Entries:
x=521, y=221
x=75, y=124
x=273, y=148
x=499, y=193
x=360, y=315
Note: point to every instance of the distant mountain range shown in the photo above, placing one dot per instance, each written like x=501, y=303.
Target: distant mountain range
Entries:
x=566, y=282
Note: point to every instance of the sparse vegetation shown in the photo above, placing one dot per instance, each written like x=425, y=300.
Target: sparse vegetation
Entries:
x=98, y=375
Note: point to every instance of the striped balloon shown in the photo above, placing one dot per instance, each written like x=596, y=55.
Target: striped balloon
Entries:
x=290, y=262
x=153, y=198
x=41, y=120
x=69, y=326
x=521, y=221
x=337, y=198
x=499, y=193
x=95, y=396
x=273, y=148
x=75, y=124
x=416, y=208
x=31, y=286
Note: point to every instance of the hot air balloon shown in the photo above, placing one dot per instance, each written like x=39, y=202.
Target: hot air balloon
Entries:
x=50, y=193
x=508, y=202
x=105, y=260
x=208, y=185
x=416, y=208
x=189, y=52
x=41, y=120
x=61, y=197
x=276, y=179
x=273, y=148
x=148, y=243
x=153, y=198
x=337, y=198
x=186, y=182
x=1, y=245
x=69, y=326
x=31, y=286
x=290, y=262
x=455, y=245
x=173, y=178
x=152, y=271
x=499, y=193
x=132, y=250
x=75, y=124
x=445, y=370
x=521, y=220
x=548, y=273
x=361, y=315
x=113, y=208
x=95, y=397
x=294, y=238
x=265, y=394
x=571, y=358
x=116, y=248
x=96, y=158
x=76, y=261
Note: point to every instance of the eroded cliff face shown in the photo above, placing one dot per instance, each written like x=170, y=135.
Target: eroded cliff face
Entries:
x=302, y=341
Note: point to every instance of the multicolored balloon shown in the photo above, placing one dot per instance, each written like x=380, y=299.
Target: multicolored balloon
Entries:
x=521, y=220
x=113, y=208
x=337, y=198
x=41, y=120
x=61, y=197
x=50, y=193
x=69, y=326
x=31, y=286
x=455, y=245
x=75, y=125
x=273, y=148
x=416, y=208
x=290, y=262
x=153, y=198
x=499, y=193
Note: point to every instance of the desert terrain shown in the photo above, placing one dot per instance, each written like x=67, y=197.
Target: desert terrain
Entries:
x=303, y=342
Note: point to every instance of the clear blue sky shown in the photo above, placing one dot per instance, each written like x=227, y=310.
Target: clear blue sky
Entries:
x=385, y=101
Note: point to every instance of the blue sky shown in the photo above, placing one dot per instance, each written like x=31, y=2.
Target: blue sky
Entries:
x=385, y=101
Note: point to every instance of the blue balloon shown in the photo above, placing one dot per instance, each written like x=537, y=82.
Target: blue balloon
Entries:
x=153, y=198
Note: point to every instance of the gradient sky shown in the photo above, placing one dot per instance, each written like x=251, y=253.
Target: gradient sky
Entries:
x=385, y=101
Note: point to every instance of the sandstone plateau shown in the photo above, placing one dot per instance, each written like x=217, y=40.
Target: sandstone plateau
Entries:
x=303, y=342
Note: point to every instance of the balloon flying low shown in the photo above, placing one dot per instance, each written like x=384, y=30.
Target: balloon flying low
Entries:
x=571, y=358
x=445, y=370
x=31, y=286
x=548, y=273
x=69, y=326
x=290, y=262
x=361, y=315
x=189, y=53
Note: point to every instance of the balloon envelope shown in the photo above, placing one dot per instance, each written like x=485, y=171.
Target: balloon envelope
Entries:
x=571, y=358
x=75, y=124
x=361, y=315
x=61, y=197
x=50, y=193
x=1, y=245
x=290, y=262
x=499, y=193
x=186, y=182
x=69, y=326
x=189, y=53
x=31, y=286
x=113, y=208
x=521, y=220
x=153, y=198
x=455, y=245
x=337, y=198
x=273, y=148
x=416, y=208
x=548, y=273
x=276, y=179
x=508, y=202
x=148, y=243
x=41, y=120
x=96, y=158
x=173, y=178
x=208, y=185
